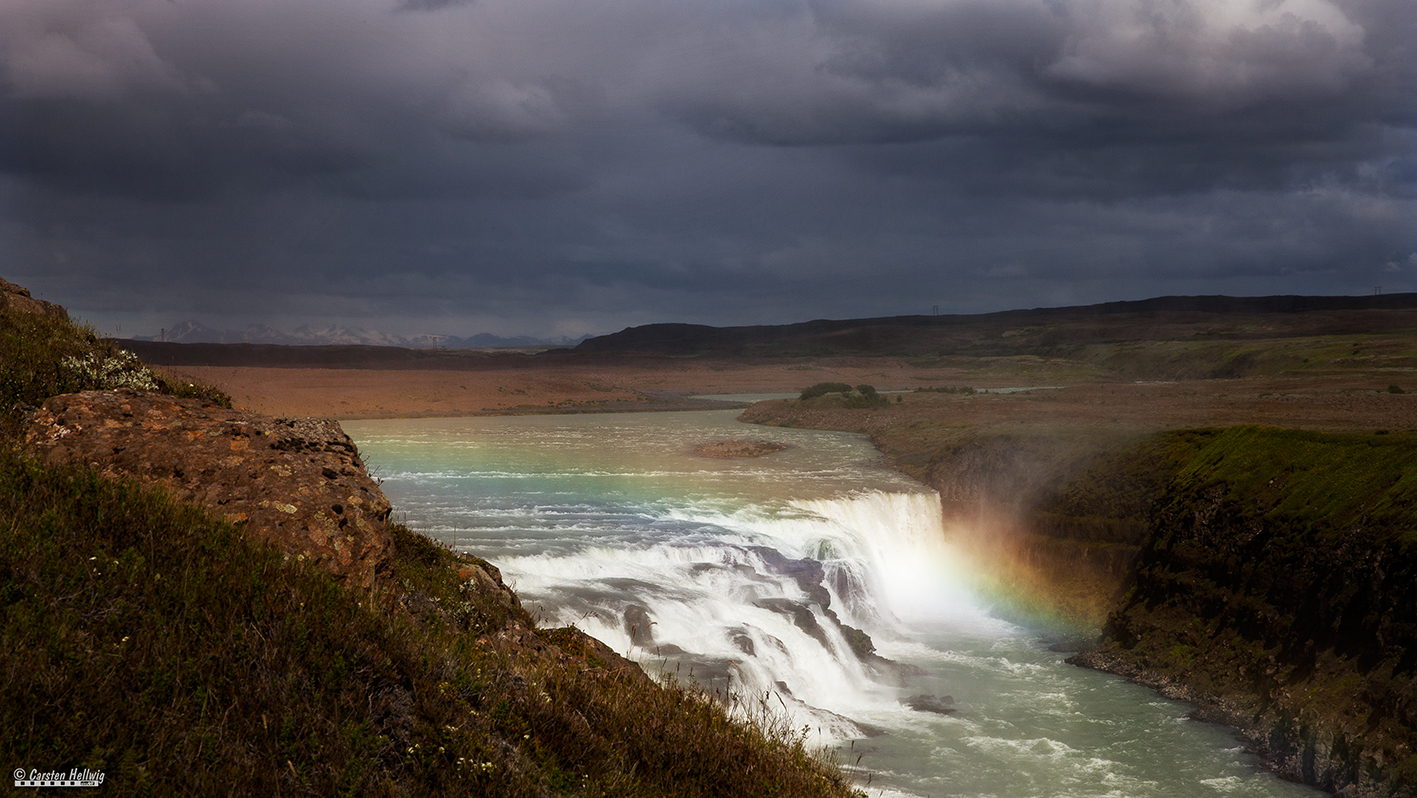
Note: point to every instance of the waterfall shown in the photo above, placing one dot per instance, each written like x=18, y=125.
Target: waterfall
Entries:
x=766, y=599
x=763, y=578
x=896, y=542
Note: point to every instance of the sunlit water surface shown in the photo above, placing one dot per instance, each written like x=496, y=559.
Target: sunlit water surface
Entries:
x=611, y=523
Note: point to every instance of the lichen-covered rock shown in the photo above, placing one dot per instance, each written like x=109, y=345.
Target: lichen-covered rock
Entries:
x=14, y=297
x=298, y=483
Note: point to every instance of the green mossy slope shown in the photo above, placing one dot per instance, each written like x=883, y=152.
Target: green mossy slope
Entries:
x=1278, y=590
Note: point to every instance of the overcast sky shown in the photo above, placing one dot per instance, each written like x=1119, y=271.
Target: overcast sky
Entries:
x=555, y=167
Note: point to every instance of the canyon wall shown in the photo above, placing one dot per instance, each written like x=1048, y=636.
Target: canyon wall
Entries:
x=1278, y=592
x=1266, y=575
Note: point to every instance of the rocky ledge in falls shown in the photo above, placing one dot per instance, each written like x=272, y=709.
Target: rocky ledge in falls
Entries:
x=725, y=450
x=297, y=483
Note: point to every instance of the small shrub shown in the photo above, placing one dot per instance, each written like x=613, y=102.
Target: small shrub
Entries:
x=1395, y=389
x=824, y=388
x=865, y=396
x=105, y=370
x=192, y=390
x=43, y=356
x=862, y=396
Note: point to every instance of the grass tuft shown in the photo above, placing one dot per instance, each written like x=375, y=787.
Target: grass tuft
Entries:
x=44, y=355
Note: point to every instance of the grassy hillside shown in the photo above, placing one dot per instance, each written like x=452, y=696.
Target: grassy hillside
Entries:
x=148, y=640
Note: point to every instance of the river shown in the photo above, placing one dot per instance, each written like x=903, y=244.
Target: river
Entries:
x=748, y=575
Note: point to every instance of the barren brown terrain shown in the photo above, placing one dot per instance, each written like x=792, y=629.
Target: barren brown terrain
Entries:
x=537, y=386
x=1062, y=393
x=1346, y=363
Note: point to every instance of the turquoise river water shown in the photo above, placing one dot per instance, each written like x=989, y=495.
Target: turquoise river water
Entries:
x=737, y=567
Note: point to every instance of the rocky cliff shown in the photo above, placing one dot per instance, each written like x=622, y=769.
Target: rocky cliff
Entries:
x=1278, y=591
x=17, y=298
x=298, y=483
x=1268, y=576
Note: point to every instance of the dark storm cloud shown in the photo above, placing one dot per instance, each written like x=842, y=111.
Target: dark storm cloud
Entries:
x=545, y=165
x=430, y=5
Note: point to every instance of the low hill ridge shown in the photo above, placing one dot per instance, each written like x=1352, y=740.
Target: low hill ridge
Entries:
x=980, y=333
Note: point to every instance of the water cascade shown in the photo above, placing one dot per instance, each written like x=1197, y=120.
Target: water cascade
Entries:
x=785, y=600
x=814, y=579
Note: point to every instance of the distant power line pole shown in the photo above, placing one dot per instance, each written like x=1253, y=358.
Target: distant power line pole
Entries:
x=935, y=311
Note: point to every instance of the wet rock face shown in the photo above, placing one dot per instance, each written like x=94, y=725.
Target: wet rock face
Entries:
x=298, y=483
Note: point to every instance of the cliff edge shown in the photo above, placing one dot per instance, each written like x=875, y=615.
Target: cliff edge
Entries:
x=296, y=483
x=1278, y=592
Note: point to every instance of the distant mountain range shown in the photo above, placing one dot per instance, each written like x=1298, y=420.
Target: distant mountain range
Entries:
x=1043, y=332
x=194, y=332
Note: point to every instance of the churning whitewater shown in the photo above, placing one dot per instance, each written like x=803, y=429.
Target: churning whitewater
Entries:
x=814, y=578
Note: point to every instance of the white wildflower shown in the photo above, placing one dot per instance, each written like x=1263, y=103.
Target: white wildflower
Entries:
x=106, y=372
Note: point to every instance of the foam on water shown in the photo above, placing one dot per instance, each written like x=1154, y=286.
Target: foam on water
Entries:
x=722, y=597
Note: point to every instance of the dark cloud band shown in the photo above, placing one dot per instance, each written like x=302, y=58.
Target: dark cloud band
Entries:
x=532, y=162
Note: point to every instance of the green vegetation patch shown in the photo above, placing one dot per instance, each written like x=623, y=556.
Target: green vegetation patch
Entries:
x=1281, y=579
x=1314, y=480
x=44, y=355
x=146, y=640
x=860, y=396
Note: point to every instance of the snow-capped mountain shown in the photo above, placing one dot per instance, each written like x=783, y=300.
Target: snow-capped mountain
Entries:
x=194, y=332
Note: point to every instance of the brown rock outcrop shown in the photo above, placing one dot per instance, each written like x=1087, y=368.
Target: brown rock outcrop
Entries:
x=298, y=483
x=736, y=448
x=14, y=297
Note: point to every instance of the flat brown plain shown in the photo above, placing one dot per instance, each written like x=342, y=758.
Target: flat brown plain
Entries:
x=536, y=386
x=1166, y=363
x=1062, y=393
